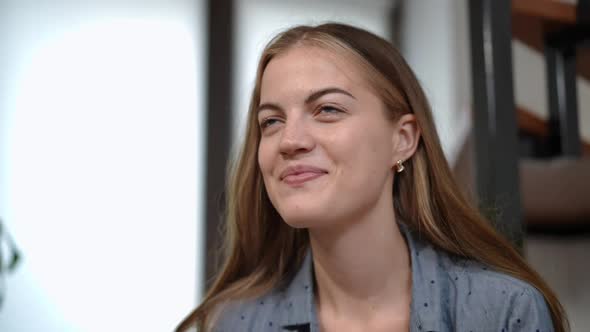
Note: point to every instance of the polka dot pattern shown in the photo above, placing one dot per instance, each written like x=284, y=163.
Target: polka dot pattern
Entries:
x=448, y=294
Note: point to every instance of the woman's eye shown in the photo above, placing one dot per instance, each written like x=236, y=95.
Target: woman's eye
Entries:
x=329, y=110
x=268, y=122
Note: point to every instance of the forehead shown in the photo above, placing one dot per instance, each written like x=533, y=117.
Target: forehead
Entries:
x=303, y=69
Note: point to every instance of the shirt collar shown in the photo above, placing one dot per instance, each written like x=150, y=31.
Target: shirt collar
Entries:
x=426, y=314
x=298, y=299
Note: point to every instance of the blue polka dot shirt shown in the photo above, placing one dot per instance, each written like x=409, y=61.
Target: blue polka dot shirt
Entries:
x=448, y=294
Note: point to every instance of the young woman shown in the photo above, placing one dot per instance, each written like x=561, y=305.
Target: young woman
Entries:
x=343, y=214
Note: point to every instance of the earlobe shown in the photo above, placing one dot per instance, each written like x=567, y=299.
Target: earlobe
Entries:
x=406, y=137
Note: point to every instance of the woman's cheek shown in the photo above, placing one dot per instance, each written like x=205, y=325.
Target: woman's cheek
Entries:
x=264, y=158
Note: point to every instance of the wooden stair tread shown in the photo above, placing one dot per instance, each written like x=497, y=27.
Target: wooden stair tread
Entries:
x=537, y=126
x=546, y=10
x=531, y=19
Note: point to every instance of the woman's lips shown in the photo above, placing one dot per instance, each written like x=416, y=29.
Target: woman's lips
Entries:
x=300, y=178
x=296, y=175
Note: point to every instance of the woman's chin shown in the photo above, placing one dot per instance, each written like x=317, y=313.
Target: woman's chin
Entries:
x=307, y=220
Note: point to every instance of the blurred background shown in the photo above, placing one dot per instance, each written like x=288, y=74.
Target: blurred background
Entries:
x=117, y=119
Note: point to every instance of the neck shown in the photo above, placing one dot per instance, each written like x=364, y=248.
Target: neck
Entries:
x=362, y=267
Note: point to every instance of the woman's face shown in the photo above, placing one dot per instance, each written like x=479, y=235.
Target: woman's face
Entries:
x=327, y=149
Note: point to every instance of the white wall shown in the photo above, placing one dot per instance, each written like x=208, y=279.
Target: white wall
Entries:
x=101, y=162
x=434, y=41
x=257, y=21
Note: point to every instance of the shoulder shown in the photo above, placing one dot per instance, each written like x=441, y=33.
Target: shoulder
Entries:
x=453, y=293
x=485, y=297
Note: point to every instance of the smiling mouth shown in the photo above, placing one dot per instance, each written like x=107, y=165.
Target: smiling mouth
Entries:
x=301, y=178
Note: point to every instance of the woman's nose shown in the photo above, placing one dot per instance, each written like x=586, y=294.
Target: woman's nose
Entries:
x=295, y=138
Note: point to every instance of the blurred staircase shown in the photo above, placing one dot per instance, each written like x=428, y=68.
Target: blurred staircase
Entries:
x=553, y=160
x=555, y=176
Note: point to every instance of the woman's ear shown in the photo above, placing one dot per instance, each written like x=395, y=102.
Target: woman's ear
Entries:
x=406, y=137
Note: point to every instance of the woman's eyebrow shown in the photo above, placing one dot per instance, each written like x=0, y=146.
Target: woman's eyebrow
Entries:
x=311, y=98
x=269, y=106
x=317, y=94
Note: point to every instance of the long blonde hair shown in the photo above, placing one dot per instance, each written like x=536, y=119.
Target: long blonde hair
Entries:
x=261, y=250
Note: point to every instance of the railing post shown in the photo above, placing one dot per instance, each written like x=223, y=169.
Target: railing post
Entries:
x=219, y=96
x=564, y=128
x=495, y=131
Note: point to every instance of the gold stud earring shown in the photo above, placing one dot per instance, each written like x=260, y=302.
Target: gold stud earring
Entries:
x=399, y=166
